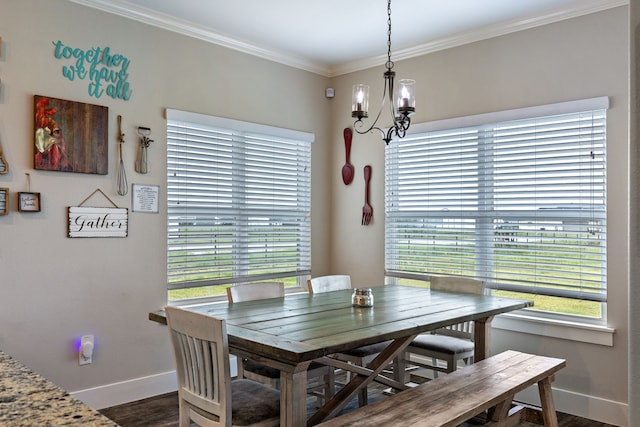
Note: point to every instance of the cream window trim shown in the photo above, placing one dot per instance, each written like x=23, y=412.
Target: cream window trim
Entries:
x=566, y=330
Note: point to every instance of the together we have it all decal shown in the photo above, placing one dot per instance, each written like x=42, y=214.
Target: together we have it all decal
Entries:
x=106, y=71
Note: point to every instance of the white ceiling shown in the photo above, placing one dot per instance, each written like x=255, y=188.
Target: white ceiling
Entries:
x=332, y=37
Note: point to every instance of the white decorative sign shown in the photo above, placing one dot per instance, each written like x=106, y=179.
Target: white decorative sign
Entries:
x=145, y=198
x=98, y=222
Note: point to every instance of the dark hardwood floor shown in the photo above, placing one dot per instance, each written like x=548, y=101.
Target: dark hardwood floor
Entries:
x=155, y=411
x=162, y=411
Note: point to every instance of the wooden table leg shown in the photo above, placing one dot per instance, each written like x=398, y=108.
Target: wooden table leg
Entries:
x=344, y=395
x=400, y=368
x=293, y=396
x=481, y=329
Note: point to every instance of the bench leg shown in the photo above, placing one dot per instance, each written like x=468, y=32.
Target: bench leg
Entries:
x=546, y=399
x=503, y=415
x=501, y=411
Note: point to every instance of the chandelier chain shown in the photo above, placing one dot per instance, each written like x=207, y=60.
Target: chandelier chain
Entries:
x=400, y=110
x=389, y=64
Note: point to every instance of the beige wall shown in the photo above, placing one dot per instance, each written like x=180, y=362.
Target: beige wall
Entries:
x=55, y=289
x=575, y=59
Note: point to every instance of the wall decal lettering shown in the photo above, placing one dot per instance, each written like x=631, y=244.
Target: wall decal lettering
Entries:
x=107, y=71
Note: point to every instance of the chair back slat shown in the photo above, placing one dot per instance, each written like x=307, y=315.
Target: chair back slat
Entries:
x=461, y=330
x=330, y=283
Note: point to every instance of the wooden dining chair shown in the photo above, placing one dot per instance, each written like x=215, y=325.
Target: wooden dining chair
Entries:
x=322, y=384
x=452, y=343
x=206, y=393
x=360, y=356
x=334, y=282
x=255, y=291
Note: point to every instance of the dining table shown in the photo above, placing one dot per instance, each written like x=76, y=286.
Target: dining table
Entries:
x=290, y=332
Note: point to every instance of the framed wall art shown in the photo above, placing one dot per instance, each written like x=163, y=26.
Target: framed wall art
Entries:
x=28, y=202
x=4, y=201
x=145, y=198
x=70, y=136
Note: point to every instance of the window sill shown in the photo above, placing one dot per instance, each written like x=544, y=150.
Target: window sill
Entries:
x=573, y=331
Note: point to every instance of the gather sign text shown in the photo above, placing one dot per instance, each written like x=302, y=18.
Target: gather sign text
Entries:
x=98, y=222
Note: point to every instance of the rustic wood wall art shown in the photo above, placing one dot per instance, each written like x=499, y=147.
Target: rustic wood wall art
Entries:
x=98, y=221
x=70, y=136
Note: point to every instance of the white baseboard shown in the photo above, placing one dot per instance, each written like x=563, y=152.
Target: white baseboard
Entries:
x=114, y=394
x=128, y=391
x=582, y=405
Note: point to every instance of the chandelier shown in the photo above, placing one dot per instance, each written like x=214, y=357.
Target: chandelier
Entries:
x=401, y=106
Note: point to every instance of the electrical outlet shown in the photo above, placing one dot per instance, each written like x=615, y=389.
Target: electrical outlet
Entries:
x=85, y=352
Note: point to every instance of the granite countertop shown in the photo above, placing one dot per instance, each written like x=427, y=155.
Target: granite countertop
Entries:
x=28, y=399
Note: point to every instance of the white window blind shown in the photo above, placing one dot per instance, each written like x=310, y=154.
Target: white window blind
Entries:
x=238, y=201
x=518, y=203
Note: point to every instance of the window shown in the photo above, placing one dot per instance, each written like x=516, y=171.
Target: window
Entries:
x=238, y=203
x=516, y=198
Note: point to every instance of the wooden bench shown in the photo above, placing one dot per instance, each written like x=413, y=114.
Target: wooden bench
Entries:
x=488, y=385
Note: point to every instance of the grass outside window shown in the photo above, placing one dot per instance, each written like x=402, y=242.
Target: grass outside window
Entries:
x=542, y=303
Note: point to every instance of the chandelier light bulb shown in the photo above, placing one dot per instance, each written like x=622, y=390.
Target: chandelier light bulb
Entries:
x=406, y=101
x=360, y=101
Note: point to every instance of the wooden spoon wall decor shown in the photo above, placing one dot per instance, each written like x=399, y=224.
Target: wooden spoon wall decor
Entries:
x=348, y=171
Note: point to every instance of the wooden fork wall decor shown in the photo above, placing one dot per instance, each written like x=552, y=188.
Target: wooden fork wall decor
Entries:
x=367, y=210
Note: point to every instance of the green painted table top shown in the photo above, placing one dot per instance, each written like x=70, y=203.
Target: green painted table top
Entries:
x=304, y=327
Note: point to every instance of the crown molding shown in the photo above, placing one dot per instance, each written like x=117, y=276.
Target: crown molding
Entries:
x=146, y=16
x=170, y=23
x=503, y=28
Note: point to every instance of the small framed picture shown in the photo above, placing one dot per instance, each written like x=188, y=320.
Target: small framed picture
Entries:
x=28, y=202
x=4, y=201
x=145, y=198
